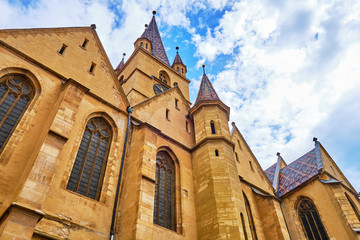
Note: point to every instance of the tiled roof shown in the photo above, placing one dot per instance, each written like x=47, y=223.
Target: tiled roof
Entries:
x=270, y=172
x=296, y=173
x=206, y=91
x=120, y=66
x=153, y=35
x=177, y=59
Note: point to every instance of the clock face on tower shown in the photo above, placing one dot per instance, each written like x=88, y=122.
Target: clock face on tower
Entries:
x=158, y=88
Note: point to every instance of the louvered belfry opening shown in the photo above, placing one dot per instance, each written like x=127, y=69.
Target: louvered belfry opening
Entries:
x=16, y=92
x=164, y=200
x=311, y=221
x=89, y=167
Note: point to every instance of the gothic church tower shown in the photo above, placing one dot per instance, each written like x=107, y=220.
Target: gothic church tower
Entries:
x=218, y=193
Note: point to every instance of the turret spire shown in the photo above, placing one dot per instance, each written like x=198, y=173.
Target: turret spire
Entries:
x=121, y=64
x=178, y=64
x=206, y=91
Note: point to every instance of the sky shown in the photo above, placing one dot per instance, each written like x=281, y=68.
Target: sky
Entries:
x=289, y=70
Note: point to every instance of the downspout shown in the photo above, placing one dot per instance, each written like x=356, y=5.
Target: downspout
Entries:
x=129, y=110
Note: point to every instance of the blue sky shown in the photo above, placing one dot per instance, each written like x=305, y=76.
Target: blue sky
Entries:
x=289, y=70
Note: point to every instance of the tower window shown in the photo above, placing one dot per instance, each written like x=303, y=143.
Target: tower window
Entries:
x=216, y=152
x=182, y=70
x=89, y=167
x=177, y=69
x=92, y=67
x=146, y=46
x=187, y=127
x=311, y=221
x=84, y=43
x=212, y=125
x=141, y=44
x=62, y=50
x=164, y=199
x=176, y=103
x=16, y=93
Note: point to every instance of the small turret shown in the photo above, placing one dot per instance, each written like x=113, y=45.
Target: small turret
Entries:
x=143, y=42
x=178, y=65
x=121, y=65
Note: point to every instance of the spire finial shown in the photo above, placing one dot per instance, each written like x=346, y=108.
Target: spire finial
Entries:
x=203, y=66
x=278, y=154
x=154, y=12
x=177, y=49
x=124, y=54
x=146, y=26
x=315, y=139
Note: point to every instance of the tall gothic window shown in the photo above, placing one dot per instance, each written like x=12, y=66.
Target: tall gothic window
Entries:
x=88, y=171
x=250, y=218
x=243, y=225
x=164, y=200
x=16, y=93
x=311, y=221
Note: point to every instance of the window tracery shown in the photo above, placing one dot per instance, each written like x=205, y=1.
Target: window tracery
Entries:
x=89, y=167
x=164, y=200
x=16, y=93
x=311, y=221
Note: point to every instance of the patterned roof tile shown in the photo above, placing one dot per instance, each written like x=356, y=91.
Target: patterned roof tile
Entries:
x=296, y=173
x=206, y=91
x=152, y=34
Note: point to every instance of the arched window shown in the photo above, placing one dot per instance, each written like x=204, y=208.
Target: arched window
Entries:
x=16, y=93
x=311, y=221
x=250, y=217
x=216, y=152
x=212, y=125
x=243, y=225
x=164, y=200
x=88, y=171
x=164, y=77
x=177, y=69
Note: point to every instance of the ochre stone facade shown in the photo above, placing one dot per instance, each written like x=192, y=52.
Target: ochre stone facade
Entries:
x=216, y=188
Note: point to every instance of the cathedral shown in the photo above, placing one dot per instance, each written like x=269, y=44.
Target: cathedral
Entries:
x=92, y=152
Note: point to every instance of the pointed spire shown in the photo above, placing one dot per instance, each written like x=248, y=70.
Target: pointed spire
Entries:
x=121, y=64
x=206, y=91
x=177, y=58
x=153, y=35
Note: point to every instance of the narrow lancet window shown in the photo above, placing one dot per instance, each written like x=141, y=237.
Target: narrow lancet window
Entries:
x=212, y=125
x=84, y=43
x=250, y=218
x=62, y=49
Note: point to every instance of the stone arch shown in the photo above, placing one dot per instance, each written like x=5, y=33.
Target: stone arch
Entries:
x=164, y=77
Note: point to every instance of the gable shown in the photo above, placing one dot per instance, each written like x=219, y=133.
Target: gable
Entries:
x=247, y=165
x=162, y=113
x=331, y=167
x=60, y=49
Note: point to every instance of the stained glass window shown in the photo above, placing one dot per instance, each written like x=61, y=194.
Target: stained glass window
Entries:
x=311, y=221
x=88, y=171
x=164, y=200
x=16, y=93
